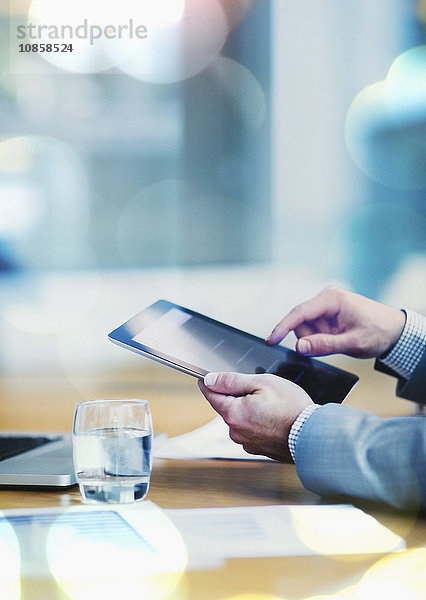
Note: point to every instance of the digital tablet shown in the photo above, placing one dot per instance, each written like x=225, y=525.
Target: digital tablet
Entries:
x=195, y=344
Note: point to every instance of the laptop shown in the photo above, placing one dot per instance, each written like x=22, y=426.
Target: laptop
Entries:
x=36, y=459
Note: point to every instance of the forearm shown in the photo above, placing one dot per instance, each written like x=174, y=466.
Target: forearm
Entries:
x=341, y=450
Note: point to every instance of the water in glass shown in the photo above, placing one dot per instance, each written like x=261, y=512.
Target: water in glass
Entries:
x=113, y=464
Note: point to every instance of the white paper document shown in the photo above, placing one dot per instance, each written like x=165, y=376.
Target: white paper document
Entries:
x=84, y=545
x=269, y=531
x=209, y=441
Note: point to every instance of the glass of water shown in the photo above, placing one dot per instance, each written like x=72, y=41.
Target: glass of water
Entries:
x=112, y=450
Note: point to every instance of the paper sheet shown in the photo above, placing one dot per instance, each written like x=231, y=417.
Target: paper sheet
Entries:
x=63, y=541
x=269, y=531
x=209, y=441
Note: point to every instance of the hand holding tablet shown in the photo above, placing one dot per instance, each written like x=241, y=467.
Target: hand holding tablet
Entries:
x=196, y=344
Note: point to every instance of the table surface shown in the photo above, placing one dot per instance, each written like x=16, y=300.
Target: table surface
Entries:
x=36, y=402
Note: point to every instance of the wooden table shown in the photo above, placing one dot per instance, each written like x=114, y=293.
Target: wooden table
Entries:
x=46, y=402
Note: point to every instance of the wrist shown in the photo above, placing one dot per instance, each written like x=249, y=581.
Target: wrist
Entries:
x=398, y=325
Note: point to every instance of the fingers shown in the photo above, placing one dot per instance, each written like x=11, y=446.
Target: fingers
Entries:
x=223, y=390
x=321, y=344
x=219, y=402
x=304, y=330
x=322, y=304
x=232, y=384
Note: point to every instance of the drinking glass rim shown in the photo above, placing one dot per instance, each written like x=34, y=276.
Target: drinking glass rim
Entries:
x=112, y=401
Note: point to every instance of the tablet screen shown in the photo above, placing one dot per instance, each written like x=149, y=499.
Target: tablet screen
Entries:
x=197, y=344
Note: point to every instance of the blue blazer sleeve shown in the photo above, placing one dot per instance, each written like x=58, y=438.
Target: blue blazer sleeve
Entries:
x=413, y=388
x=342, y=450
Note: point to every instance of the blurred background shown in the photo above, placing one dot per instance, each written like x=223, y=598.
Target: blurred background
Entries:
x=268, y=148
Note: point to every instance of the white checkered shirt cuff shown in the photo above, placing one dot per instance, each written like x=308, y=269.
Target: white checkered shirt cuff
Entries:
x=293, y=436
x=408, y=350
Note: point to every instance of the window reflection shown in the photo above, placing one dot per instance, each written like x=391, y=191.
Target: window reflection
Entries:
x=220, y=140
x=107, y=128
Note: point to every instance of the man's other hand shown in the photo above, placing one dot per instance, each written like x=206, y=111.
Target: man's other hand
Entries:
x=338, y=321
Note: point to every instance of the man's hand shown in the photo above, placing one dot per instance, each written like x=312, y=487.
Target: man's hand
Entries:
x=259, y=409
x=338, y=321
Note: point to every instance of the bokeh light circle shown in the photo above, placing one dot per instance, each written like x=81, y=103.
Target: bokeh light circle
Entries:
x=385, y=127
x=49, y=206
x=147, y=226
x=350, y=254
x=236, y=10
x=10, y=560
x=87, y=567
x=255, y=596
x=85, y=57
x=102, y=34
x=331, y=528
x=345, y=594
x=405, y=85
x=178, y=49
x=174, y=222
x=244, y=91
x=169, y=40
x=395, y=577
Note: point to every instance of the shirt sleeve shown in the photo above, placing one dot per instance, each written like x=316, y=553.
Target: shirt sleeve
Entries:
x=297, y=426
x=404, y=357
